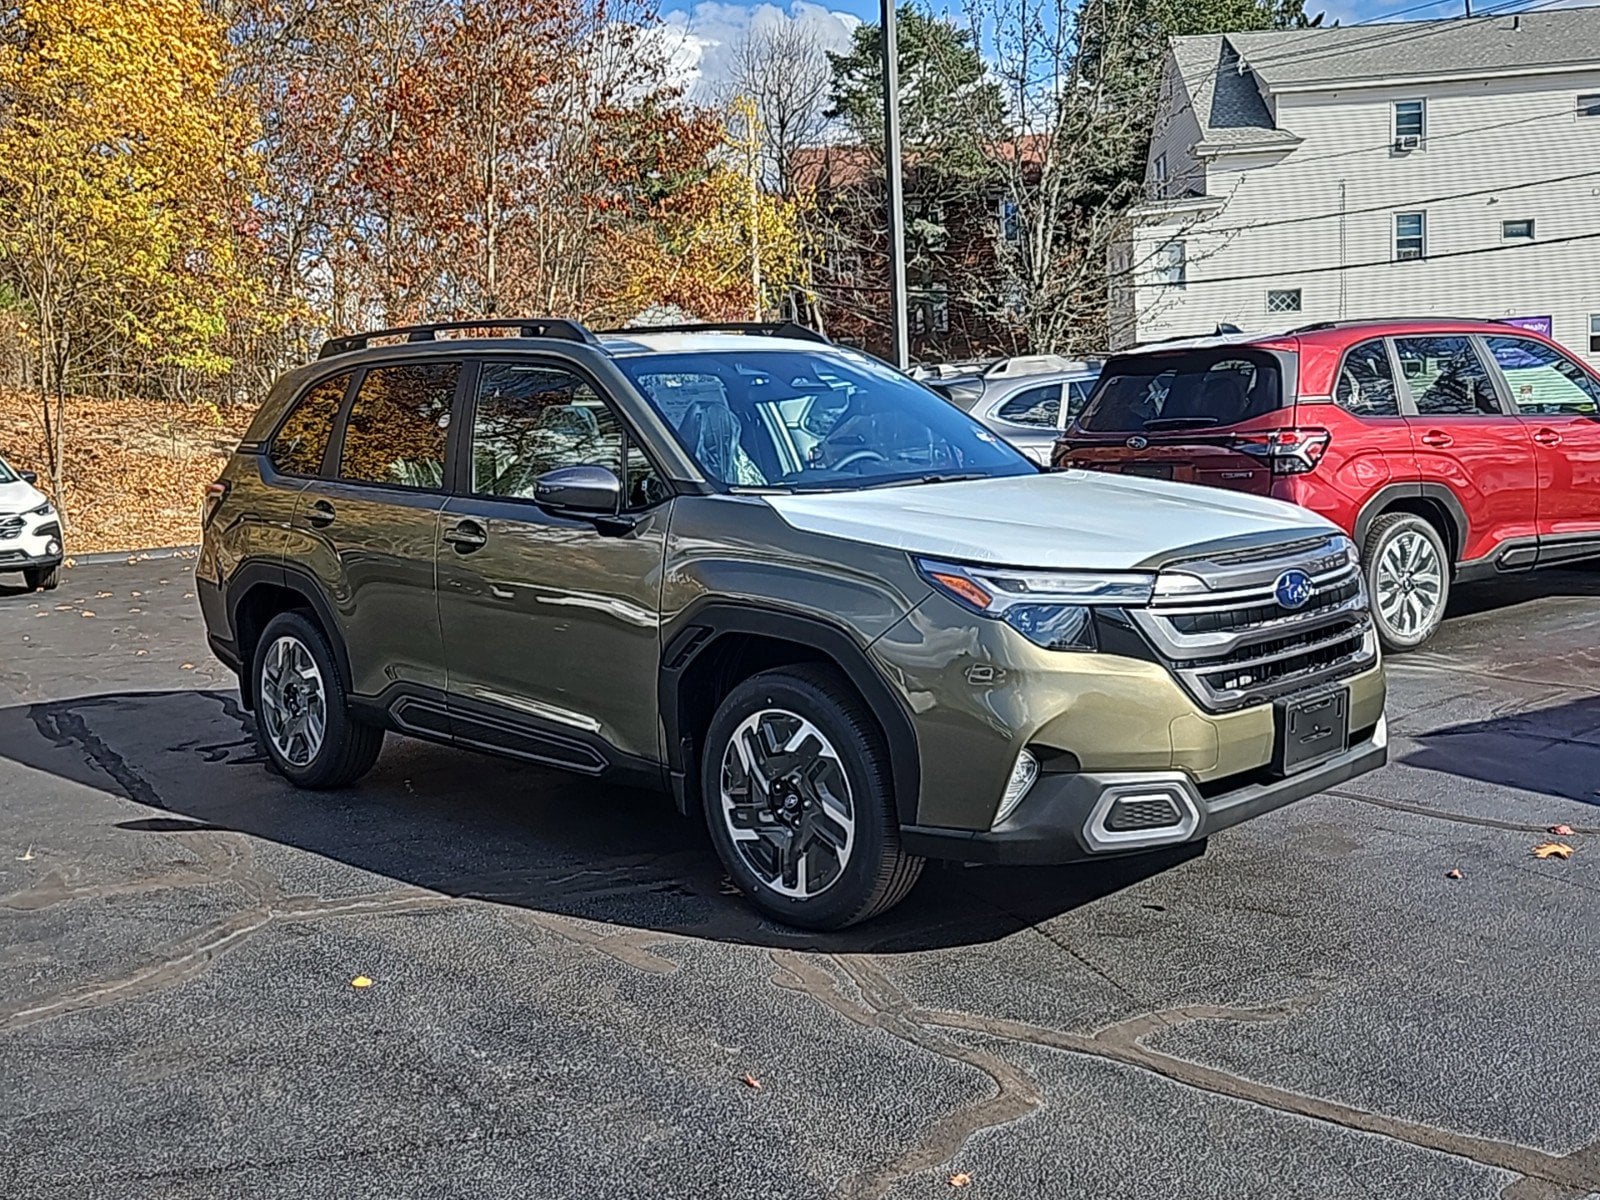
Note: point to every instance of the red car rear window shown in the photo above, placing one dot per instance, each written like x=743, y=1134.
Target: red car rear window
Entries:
x=1191, y=389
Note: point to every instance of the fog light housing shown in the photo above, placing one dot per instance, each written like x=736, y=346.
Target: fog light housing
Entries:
x=1022, y=778
x=53, y=548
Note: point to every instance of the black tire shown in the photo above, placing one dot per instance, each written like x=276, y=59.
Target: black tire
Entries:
x=877, y=873
x=347, y=748
x=43, y=579
x=1389, y=534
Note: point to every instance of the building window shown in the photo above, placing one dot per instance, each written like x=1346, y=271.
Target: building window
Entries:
x=1172, y=265
x=1283, y=300
x=1517, y=231
x=1589, y=106
x=930, y=310
x=1010, y=220
x=1409, y=236
x=1409, y=123
x=1158, y=176
x=1594, y=333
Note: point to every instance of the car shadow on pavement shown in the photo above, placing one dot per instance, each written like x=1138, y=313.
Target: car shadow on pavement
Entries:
x=1554, y=751
x=470, y=826
x=1506, y=591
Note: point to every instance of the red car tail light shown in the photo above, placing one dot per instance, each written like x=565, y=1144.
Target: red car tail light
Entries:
x=216, y=493
x=1287, y=451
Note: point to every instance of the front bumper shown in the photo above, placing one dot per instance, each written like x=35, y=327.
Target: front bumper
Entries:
x=28, y=541
x=1068, y=817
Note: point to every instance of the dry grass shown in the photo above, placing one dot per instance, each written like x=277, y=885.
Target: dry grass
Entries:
x=136, y=469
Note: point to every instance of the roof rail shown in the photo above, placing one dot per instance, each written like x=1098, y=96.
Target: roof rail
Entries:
x=784, y=329
x=1355, y=321
x=528, y=327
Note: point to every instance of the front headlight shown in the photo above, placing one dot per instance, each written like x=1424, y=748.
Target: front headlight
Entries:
x=44, y=510
x=1053, y=609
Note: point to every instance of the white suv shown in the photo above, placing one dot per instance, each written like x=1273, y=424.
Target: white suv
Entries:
x=30, y=530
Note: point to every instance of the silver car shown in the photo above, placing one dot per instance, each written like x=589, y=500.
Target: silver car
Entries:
x=1028, y=401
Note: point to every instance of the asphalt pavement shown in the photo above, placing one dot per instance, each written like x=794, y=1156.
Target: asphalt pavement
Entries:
x=566, y=1001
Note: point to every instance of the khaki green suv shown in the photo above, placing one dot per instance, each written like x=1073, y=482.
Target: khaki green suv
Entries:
x=833, y=616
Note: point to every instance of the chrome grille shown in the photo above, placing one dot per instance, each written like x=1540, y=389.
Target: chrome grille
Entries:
x=1217, y=624
x=10, y=527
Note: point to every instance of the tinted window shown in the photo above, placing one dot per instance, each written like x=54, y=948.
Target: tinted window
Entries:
x=303, y=437
x=1366, y=382
x=396, y=430
x=1078, y=395
x=1446, y=377
x=531, y=419
x=826, y=420
x=1033, y=406
x=1193, y=390
x=1543, y=380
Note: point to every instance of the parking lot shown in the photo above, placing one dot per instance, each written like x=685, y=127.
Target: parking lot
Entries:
x=564, y=999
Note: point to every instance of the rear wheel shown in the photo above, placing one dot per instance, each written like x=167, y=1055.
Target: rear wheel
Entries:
x=303, y=719
x=1408, y=576
x=799, y=802
x=45, y=579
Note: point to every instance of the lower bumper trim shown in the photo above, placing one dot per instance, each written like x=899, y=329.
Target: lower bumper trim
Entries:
x=1064, y=818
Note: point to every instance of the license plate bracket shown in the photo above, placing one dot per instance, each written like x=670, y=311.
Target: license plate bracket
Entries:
x=1310, y=730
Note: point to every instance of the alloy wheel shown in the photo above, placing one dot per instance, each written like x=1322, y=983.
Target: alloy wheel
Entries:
x=294, y=703
x=786, y=803
x=1409, y=583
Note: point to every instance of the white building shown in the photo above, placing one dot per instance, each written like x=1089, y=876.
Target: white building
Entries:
x=1409, y=169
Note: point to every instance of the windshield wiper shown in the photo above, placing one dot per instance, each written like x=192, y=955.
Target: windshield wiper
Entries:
x=934, y=477
x=1179, y=422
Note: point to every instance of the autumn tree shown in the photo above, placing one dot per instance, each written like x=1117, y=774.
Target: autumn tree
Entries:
x=123, y=188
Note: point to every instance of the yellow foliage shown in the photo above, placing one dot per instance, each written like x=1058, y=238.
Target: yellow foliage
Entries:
x=123, y=173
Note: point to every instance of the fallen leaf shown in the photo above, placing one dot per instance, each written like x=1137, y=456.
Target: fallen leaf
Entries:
x=1552, y=850
x=86, y=613
x=137, y=594
x=28, y=857
x=728, y=888
x=1561, y=830
x=1453, y=874
x=361, y=981
x=140, y=653
x=63, y=608
x=960, y=1179
x=101, y=595
x=750, y=1081
x=187, y=667
x=68, y=563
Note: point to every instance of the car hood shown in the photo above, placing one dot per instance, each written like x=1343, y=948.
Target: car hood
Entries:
x=1063, y=520
x=18, y=497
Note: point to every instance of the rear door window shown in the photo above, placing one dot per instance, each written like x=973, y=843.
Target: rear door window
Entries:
x=1038, y=406
x=1198, y=389
x=1446, y=377
x=1543, y=381
x=397, y=428
x=1366, y=382
x=302, y=439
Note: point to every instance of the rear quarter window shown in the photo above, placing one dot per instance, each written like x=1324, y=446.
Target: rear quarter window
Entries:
x=302, y=440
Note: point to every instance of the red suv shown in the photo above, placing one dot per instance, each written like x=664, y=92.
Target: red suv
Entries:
x=1448, y=450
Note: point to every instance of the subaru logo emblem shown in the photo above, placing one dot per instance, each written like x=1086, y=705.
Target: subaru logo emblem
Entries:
x=1138, y=443
x=1293, y=589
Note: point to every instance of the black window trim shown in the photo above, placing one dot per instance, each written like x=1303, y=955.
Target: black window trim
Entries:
x=335, y=452
x=460, y=474
x=1408, y=402
x=1401, y=393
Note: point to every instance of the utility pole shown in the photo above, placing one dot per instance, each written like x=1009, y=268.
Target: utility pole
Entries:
x=891, y=162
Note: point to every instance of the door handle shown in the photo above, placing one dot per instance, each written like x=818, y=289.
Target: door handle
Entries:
x=320, y=513
x=1437, y=437
x=466, y=537
x=1547, y=437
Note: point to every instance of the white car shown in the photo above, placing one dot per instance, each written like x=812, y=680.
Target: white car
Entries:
x=30, y=530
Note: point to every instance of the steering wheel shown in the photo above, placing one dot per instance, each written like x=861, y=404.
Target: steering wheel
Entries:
x=856, y=456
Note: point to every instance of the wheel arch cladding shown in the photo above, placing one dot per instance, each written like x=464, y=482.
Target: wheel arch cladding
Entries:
x=260, y=591
x=1434, y=503
x=717, y=646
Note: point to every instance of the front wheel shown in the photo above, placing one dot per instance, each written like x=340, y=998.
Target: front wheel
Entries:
x=303, y=719
x=799, y=802
x=1408, y=577
x=43, y=579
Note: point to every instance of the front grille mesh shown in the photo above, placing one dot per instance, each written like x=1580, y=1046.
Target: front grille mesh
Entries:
x=10, y=527
x=1232, y=644
x=1156, y=813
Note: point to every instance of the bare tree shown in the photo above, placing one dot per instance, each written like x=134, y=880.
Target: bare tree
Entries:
x=781, y=68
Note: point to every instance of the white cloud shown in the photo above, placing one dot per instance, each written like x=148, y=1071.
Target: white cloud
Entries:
x=699, y=42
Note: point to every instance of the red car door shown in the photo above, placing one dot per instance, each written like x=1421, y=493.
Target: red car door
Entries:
x=1463, y=437
x=1559, y=403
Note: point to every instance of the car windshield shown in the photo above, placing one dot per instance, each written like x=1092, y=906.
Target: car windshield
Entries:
x=7, y=475
x=805, y=420
x=1217, y=386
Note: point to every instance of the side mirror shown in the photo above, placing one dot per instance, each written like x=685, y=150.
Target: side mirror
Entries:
x=28, y=476
x=579, y=492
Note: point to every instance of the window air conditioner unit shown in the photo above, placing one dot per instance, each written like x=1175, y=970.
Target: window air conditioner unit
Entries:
x=1408, y=141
